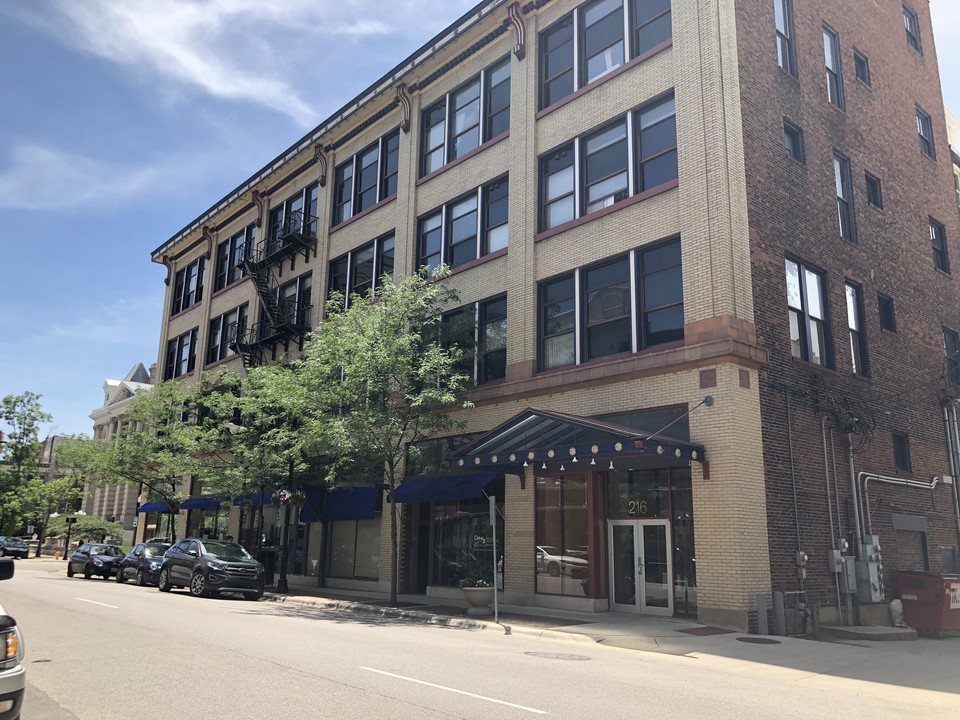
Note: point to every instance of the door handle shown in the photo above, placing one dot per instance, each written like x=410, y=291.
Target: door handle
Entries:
x=640, y=568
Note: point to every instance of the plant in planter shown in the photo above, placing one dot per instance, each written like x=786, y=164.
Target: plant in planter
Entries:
x=479, y=593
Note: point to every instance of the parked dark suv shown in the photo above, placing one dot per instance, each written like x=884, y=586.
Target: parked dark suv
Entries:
x=14, y=547
x=209, y=567
x=94, y=559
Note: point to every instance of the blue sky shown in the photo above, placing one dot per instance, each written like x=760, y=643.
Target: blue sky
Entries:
x=124, y=120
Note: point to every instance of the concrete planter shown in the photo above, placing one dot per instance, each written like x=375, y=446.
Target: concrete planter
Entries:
x=479, y=599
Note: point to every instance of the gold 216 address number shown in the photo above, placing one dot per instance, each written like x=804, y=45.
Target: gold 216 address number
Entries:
x=637, y=507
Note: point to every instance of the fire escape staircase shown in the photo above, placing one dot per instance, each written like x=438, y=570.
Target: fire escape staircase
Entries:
x=281, y=321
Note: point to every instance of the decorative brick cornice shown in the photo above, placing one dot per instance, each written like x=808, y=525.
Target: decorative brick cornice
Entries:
x=258, y=201
x=520, y=49
x=321, y=158
x=404, y=99
x=209, y=239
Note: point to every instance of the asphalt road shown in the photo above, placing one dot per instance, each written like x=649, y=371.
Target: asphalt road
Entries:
x=97, y=650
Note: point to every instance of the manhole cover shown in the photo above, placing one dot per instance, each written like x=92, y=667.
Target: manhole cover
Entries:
x=759, y=640
x=557, y=656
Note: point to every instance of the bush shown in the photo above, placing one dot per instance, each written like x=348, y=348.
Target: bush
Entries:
x=87, y=528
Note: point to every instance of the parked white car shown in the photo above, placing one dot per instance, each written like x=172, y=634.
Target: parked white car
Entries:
x=550, y=560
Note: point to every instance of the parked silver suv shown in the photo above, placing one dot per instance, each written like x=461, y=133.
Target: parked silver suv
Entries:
x=12, y=675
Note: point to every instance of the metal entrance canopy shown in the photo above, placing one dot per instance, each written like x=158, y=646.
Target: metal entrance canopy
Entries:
x=546, y=436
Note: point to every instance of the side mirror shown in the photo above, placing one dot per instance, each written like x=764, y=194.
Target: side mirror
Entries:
x=6, y=568
x=193, y=553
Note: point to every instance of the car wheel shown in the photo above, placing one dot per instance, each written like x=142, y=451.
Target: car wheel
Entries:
x=163, y=584
x=198, y=585
x=141, y=580
x=87, y=572
x=69, y=570
x=554, y=569
x=120, y=578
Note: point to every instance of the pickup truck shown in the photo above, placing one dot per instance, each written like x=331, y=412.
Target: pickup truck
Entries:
x=12, y=675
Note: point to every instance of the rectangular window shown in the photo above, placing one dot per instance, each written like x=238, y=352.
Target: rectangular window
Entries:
x=783, y=19
x=601, y=38
x=861, y=66
x=925, y=133
x=633, y=301
x=938, y=239
x=224, y=331
x=793, y=141
x=888, y=319
x=188, y=286
x=901, y=452
x=874, y=191
x=361, y=270
x=294, y=218
x=841, y=176
x=181, y=355
x=231, y=254
x=951, y=346
x=474, y=113
x=603, y=177
x=858, y=348
x=294, y=301
x=831, y=54
x=912, y=25
x=562, y=535
x=367, y=178
x=464, y=229
x=492, y=340
x=805, y=300
x=590, y=42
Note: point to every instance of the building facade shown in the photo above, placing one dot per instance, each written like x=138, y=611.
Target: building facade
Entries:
x=705, y=246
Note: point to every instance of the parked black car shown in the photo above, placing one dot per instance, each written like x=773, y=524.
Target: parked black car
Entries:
x=94, y=559
x=209, y=567
x=14, y=547
x=142, y=563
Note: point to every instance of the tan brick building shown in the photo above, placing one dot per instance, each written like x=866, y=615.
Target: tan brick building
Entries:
x=656, y=215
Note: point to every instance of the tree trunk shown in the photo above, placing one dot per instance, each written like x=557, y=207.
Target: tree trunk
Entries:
x=394, y=555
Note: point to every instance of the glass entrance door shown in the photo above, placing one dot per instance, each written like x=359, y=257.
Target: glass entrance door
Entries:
x=641, y=566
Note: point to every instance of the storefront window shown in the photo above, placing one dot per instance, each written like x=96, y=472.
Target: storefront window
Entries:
x=640, y=494
x=562, y=547
x=463, y=541
x=355, y=549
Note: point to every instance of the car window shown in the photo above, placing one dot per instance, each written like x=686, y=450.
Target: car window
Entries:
x=138, y=551
x=83, y=548
x=226, y=551
x=155, y=550
x=182, y=546
x=14, y=542
x=105, y=550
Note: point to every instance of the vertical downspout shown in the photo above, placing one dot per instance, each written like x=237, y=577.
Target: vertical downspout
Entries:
x=833, y=536
x=855, y=495
x=955, y=437
x=836, y=484
x=793, y=475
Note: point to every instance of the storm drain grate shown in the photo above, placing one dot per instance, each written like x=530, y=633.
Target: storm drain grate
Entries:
x=759, y=640
x=557, y=656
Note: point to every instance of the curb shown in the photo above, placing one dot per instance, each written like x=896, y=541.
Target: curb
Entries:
x=426, y=618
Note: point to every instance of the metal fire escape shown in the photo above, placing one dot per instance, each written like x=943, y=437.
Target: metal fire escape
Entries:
x=281, y=320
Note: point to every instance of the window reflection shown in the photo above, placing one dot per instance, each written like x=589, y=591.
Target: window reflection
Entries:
x=562, y=539
x=463, y=541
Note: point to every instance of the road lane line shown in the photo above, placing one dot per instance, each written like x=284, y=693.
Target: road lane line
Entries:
x=94, y=602
x=454, y=690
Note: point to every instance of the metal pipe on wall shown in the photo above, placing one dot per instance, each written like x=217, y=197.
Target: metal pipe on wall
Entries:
x=826, y=471
x=956, y=491
x=865, y=478
x=793, y=476
x=855, y=494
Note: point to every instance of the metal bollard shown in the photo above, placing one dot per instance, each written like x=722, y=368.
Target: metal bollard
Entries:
x=779, y=615
x=762, y=614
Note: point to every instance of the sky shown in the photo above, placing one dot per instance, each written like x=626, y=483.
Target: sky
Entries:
x=121, y=121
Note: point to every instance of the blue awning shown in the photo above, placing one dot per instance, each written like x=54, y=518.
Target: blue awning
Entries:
x=200, y=503
x=443, y=488
x=309, y=513
x=359, y=503
x=154, y=507
x=255, y=499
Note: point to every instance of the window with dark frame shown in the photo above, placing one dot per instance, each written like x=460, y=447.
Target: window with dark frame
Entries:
x=861, y=67
x=858, y=344
x=938, y=239
x=783, y=20
x=600, y=46
x=911, y=24
x=901, y=452
x=925, y=133
x=831, y=54
x=807, y=312
x=626, y=302
x=181, y=355
x=188, y=286
x=605, y=158
x=466, y=118
x=793, y=141
x=366, y=178
x=230, y=256
x=465, y=229
x=361, y=270
x=223, y=331
x=874, y=191
x=296, y=214
x=294, y=300
x=480, y=329
x=888, y=318
x=951, y=348
x=844, y=188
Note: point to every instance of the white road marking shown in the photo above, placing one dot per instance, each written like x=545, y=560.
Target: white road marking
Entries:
x=454, y=690
x=94, y=602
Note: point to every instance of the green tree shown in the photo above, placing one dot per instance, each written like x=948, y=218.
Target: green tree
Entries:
x=39, y=498
x=378, y=377
x=87, y=528
x=20, y=452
